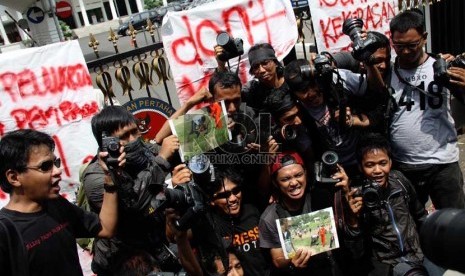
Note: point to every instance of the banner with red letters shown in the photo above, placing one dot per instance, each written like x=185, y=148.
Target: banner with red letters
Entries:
x=50, y=89
x=189, y=37
x=328, y=17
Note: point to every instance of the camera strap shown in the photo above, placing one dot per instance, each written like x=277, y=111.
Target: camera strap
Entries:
x=407, y=92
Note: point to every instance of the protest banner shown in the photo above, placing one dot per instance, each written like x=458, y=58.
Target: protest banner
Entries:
x=189, y=37
x=50, y=89
x=328, y=17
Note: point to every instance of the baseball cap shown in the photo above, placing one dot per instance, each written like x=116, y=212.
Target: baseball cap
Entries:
x=285, y=159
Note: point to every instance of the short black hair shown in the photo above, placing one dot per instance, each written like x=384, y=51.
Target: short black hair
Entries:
x=225, y=79
x=15, y=150
x=278, y=102
x=372, y=141
x=294, y=78
x=410, y=19
x=110, y=119
x=131, y=262
x=383, y=40
x=222, y=173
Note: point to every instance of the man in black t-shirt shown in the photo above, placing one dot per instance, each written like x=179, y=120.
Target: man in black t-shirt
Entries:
x=42, y=240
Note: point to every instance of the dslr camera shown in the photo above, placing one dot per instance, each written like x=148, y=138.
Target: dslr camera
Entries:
x=111, y=145
x=440, y=67
x=190, y=199
x=233, y=47
x=369, y=191
x=326, y=168
x=321, y=69
x=362, y=48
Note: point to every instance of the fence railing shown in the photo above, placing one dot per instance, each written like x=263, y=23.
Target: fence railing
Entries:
x=147, y=64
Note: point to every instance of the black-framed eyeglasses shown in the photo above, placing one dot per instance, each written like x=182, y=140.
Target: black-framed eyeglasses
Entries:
x=226, y=194
x=410, y=46
x=46, y=166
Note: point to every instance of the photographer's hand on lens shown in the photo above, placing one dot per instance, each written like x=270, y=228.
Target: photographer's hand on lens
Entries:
x=171, y=230
x=271, y=146
x=181, y=174
x=447, y=57
x=104, y=154
x=169, y=146
x=457, y=77
x=301, y=257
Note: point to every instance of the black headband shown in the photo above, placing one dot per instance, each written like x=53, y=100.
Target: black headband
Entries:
x=260, y=55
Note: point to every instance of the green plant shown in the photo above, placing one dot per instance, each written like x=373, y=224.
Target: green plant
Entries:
x=67, y=32
x=151, y=4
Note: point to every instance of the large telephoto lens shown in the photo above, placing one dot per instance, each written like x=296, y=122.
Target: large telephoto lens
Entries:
x=442, y=238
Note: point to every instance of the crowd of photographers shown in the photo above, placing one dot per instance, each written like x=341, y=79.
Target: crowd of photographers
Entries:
x=371, y=138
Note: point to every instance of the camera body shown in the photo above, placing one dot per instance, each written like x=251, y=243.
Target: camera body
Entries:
x=362, y=49
x=321, y=69
x=369, y=191
x=440, y=67
x=190, y=199
x=326, y=168
x=111, y=145
x=232, y=47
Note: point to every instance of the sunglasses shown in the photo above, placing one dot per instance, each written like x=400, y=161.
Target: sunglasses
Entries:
x=227, y=194
x=410, y=46
x=47, y=166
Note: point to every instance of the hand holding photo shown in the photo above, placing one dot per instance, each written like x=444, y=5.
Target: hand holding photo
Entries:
x=201, y=130
x=315, y=231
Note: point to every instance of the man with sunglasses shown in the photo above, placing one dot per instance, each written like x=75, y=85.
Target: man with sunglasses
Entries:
x=236, y=222
x=42, y=239
x=422, y=129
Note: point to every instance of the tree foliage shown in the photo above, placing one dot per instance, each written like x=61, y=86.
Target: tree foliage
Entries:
x=151, y=4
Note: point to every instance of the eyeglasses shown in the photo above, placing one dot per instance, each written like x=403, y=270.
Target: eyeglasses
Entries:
x=411, y=46
x=47, y=166
x=227, y=194
x=265, y=64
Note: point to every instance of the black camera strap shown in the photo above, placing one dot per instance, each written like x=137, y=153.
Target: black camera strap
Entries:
x=409, y=88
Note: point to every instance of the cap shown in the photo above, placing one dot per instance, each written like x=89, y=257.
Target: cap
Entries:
x=285, y=159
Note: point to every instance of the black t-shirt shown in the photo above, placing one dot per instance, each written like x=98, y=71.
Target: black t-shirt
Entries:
x=255, y=93
x=50, y=236
x=245, y=238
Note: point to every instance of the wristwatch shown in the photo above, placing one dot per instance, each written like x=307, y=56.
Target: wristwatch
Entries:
x=110, y=188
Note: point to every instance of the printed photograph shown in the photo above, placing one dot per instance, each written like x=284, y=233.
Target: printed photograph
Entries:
x=201, y=130
x=315, y=231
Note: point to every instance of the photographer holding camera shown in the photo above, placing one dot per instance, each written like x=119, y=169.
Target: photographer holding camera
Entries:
x=266, y=70
x=140, y=180
x=383, y=214
x=422, y=130
x=323, y=94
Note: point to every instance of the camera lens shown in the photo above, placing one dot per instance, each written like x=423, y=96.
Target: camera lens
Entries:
x=222, y=39
x=113, y=146
x=307, y=71
x=371, y=197
x=330, y=158
x=199, y=164
x=289, y=132
x=352, y=26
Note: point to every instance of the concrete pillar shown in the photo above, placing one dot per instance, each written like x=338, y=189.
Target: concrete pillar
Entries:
x=104, y=13
x=128, y=7
x=113, y=10
x=84, y=13
x=6, y=41
x=76, y=19
x=21, y=32
x=140, y=7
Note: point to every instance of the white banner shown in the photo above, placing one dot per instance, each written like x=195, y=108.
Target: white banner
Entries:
x=328, y=17
x=50, y=89
x=190, y=36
